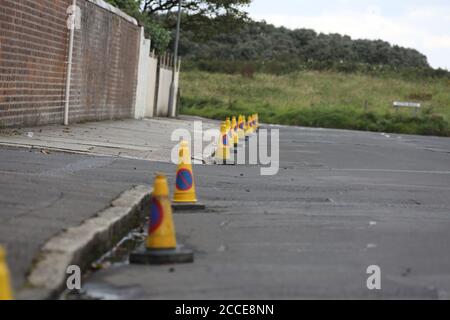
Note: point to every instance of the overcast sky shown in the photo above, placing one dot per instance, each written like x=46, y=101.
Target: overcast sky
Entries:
x=423, y=25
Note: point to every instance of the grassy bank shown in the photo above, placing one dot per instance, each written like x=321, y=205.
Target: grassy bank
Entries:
x=321, y=99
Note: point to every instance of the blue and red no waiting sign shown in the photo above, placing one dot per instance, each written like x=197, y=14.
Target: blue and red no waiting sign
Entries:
x=225, y=140
x=156, y=215
x=184, y=180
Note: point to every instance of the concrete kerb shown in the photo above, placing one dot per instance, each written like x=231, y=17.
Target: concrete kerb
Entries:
x=84, y=244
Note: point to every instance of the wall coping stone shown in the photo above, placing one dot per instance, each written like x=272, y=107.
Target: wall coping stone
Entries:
x=111, y=8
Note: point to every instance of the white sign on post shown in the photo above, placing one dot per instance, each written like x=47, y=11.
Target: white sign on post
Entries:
x=416, y=106
x=407, y=104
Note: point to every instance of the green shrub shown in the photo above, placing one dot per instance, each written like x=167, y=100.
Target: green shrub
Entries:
x=289, y=65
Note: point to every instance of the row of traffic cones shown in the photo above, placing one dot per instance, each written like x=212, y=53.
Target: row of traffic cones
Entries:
x=232, y=131
x=161, y=245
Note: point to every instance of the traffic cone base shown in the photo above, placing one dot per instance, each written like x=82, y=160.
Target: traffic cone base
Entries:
x=162, y=256
x=185, y=207
x=228, y=162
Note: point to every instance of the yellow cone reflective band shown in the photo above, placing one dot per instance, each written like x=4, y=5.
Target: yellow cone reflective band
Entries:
x=185, y=182
x=161, y=233
x=5, y=282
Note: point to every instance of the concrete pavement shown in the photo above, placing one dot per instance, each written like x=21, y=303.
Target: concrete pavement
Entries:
x=148, y=139
x=342, y=201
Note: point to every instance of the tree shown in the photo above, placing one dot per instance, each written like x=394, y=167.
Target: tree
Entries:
x=209, y=8
x=201, y=17
x=154, y=30
x=263, y=42
x=131, y=7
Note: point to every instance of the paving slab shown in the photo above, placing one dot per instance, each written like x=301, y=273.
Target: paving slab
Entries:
x=148, y=139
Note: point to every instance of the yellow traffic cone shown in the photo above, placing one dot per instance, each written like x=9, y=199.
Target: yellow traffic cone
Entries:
x=223, y=146
x=248, y=127
x=162, y=230
x=5, y=283
x=228, y=123
x=185, y=197
x=185, y=184
x=241, y=127
x=244, y=119
x=234, y=132
x=254, y=122
x=161, y=244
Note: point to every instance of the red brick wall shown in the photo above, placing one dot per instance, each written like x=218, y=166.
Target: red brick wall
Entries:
x=33, y=45
x=33, y=56
x=105, y=66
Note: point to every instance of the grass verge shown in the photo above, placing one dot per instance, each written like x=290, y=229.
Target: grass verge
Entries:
x=321, y=99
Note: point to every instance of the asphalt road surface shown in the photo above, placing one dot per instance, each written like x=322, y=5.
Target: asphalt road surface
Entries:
x=43, y=194
x=341, y=202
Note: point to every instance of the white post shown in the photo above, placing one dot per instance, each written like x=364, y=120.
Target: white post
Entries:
x=172, y=93
x=69, y=62
x=142, y=76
